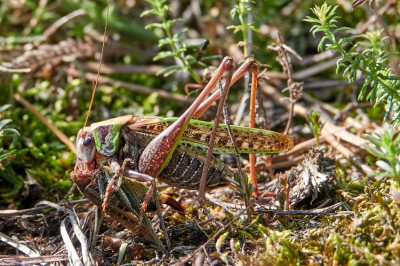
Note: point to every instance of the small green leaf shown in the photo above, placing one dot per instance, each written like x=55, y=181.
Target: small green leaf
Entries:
x=168, y=69
x=4, y=122
x=11, y=130
x=4, y=107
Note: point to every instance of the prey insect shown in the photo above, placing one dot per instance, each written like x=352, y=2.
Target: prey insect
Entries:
x=173, y=149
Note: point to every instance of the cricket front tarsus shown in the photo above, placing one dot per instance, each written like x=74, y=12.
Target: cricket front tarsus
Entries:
x=118, y=173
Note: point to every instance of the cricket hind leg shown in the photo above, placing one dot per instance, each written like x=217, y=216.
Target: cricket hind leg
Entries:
x=158, y=152
x=248, y=65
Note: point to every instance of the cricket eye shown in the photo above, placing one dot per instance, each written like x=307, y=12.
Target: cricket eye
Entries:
x=85, y=146
x=87, y=141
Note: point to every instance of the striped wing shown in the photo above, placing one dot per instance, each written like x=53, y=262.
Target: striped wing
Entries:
x=198, y=133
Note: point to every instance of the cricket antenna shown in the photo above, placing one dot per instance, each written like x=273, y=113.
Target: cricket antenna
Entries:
x=100, y=63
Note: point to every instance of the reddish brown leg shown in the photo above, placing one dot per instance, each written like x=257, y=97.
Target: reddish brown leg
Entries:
x=156, y=155
x=252, y=157
x=146, y=179
x=248, y=65
x=118, y=171
x=152, y=191
x=224, y=95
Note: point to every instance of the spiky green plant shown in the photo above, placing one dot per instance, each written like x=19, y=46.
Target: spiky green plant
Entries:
x=241, y=11
x=367, y=53
x=177, y=45
x=386, y=146
x=7, y=155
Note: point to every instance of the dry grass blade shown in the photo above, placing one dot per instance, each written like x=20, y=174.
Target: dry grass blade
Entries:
x=77, y=231
x=56, y=25
x=19, y=260
x=36, y=209
x=21, y=247
x=72, y=253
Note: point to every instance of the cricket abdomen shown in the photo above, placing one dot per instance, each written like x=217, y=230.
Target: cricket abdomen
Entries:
x=184, y=168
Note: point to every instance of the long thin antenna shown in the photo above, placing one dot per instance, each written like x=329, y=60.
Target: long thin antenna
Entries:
x=100, y=63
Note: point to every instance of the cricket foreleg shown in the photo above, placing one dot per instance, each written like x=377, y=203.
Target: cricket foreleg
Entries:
x=145, y=179
x=151, y=192
x=118, y=171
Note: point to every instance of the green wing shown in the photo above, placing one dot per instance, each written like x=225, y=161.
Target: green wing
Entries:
x=198, y=133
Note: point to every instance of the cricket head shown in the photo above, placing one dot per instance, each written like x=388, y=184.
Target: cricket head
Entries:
x=100, y=138
x=85, y=145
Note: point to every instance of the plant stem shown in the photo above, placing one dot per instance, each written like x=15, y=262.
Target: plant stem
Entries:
x=179, y=55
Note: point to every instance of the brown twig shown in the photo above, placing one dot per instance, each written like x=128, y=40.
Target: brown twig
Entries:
x=329, y=130
x=21, y=260
x=133, y=87
x=295, y=88
x=61, y=136
x=120, y=68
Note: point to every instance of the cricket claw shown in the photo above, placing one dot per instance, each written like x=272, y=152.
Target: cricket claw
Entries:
x=173, y=204
x=142, y=213
x=104, y=206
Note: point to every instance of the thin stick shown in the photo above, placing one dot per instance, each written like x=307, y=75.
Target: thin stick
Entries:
x=110, y=68
x=64, y=139
x=283, y=50
x=56, y=25
x=161, y=219
x=22, y=260
x=322, y=211
x=239, y=164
